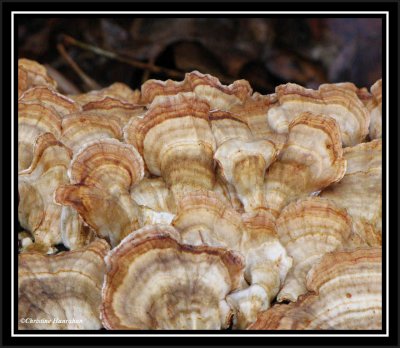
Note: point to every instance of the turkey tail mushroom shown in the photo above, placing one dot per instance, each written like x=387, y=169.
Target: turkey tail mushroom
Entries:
x=345, y=294
x=63, y=291
x=311, y=159
x=37, y=211
x=50, y=98
x=154, y=281
x=244, y=164
x=309, y=228
x=177, y=143
x=342, y=104
x=34, y=120
x=204, y=86
x=30, y=74
x=102, y=173
x=360, y=190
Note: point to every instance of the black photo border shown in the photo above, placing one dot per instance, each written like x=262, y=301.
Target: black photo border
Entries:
x=337, y=337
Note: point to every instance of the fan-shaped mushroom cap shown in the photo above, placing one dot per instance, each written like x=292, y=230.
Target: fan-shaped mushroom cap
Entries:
x=37, y=211
x=34, y=120
x=266, y=267
x=110, y=216
x=311, y=160
x=188, y=168
x=153, y=281
x=226, y=126
x=117, y=90
x=346, y=295
x=114, y=109
x=31, y=73
x=362, y=93
x=48, y=97
x=341, y=104
x=154, y=88
x=218, y=96
x=375, y=108
x=176, y=141
x=202, y=218
x=309, y=228
x=107, y=163
x=364, y=157
x=360, y=190
x=254, y=111
x=85, y=127
x=243, y=165
x=102, y=173
x=62, y=289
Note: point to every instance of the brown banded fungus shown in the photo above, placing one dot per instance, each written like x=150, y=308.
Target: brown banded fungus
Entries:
x=311, y=159
x=340, y=103
x=154, y=281
x=194, y=205
x=345, y=294
x=63, y=291
x=37, y=211
x=102, y=173
x=176, y=141
x=360, y=190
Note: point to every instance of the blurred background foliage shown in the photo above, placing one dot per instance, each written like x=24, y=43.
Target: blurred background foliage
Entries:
x=88, y=53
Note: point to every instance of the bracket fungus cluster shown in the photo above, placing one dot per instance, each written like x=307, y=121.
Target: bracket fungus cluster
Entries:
x=191, y=205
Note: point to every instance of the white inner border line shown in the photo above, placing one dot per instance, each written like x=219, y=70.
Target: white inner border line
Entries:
x=386, y=13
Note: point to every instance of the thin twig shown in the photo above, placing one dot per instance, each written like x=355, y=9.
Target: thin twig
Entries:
x=64, y=85
x=89, y=82
x=69, y=40
x=146, y=73
x=133, y=62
